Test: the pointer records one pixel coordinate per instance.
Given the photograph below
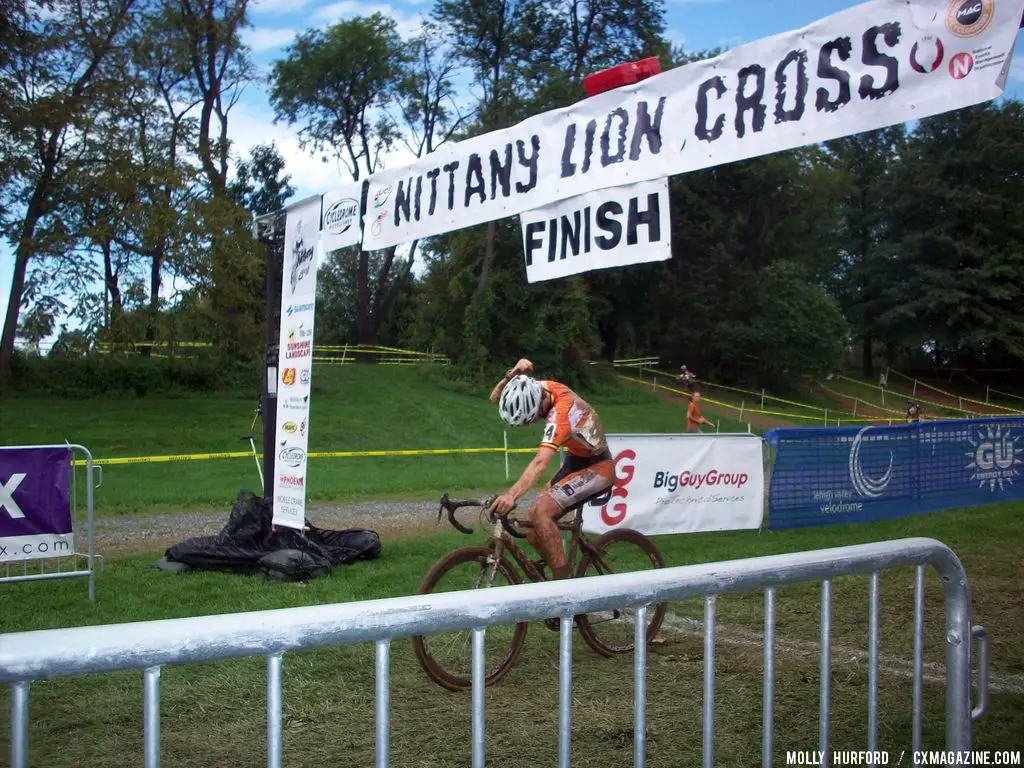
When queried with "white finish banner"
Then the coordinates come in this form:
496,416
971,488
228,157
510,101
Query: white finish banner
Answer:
688,483
608,228
876,64
295,362
341,217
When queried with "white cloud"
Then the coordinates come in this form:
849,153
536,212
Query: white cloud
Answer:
252,123
732,41
406,24
265,38
277,6
1017,69
675,37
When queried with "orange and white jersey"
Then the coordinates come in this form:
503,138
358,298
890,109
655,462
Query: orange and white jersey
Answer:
572,423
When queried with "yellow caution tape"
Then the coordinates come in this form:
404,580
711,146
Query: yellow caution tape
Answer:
961,398
312,455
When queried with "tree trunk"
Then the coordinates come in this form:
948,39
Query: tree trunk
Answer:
154,294
364,330
113,290
21,257
485,268
868,362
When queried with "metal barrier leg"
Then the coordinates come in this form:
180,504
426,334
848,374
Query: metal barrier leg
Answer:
89,522
19,724
918,693
479,684
767,713
151,717
958,658
709,681
873,666
274,745
640,687
825,673
565,692
383,704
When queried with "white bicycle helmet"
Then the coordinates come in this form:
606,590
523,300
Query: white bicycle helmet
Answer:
520,401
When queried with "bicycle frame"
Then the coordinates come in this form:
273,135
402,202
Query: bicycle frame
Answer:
501,541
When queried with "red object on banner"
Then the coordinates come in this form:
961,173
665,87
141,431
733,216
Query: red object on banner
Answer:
623,74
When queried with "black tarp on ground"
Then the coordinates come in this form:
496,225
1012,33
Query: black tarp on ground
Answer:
248,544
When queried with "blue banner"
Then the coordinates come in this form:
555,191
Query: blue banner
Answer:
859,474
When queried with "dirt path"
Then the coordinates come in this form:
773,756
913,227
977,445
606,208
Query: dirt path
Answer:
925,393
864,410
757,420
135,534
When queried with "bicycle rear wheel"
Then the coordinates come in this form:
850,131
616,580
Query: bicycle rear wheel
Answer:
621,551
447,658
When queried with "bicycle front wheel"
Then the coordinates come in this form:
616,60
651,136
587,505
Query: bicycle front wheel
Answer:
621,551
447,658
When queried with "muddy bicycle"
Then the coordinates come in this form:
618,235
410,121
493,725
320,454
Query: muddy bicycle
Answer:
447,658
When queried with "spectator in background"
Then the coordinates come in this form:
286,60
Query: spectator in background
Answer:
914,412
686,377
693,418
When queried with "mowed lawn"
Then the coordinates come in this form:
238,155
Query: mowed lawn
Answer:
214,714
353,408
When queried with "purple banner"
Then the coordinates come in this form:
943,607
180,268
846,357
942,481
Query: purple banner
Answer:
34,491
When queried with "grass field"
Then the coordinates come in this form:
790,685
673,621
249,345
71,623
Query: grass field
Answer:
351,410
214,714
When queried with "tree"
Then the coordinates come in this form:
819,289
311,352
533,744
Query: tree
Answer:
797,330
495,39
338,83
867,165
356,89
210,45
259,186
60,73
956,276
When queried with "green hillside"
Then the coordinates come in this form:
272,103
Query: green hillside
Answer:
355,408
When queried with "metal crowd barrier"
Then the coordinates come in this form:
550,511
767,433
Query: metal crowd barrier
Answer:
89,555
29,656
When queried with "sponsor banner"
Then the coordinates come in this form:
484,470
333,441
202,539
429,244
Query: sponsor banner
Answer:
609,228
876,64
682,484
835,475
35,503
295,363
341,217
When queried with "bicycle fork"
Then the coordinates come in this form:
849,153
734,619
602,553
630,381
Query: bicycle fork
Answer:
491,569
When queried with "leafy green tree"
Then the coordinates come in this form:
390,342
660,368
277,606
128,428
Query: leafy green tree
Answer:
356,89
60,73
796,330
259,186
868,166
957,256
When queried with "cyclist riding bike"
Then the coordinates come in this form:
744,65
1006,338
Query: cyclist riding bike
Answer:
571,423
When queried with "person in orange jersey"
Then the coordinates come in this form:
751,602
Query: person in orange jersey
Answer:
693,418
570,423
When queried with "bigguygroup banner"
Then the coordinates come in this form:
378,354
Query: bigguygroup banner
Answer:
35,503
295,362
608,228
860,474
879,63
682,484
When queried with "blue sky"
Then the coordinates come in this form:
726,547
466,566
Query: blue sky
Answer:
696,24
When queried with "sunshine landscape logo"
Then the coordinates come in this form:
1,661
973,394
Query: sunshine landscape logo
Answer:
994,458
